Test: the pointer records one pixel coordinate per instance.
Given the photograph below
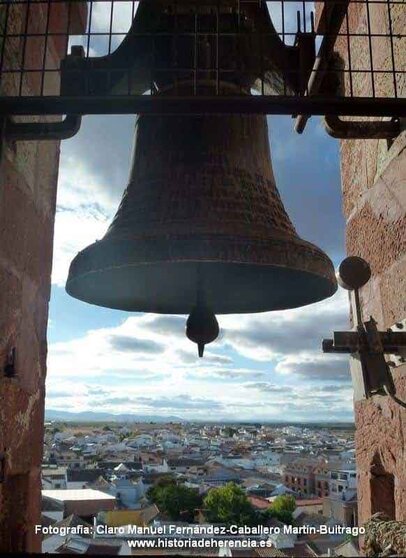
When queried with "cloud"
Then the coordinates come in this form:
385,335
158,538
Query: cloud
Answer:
304,392
270,335
224,375
314,366
123,343
79,220
209,357
146,363
89,186
307,175
180,402
122,400
239,374
333,388
269,388
167,324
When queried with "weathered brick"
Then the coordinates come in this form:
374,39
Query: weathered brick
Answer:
374,201
28,180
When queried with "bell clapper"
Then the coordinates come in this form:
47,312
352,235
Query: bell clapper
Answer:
202,326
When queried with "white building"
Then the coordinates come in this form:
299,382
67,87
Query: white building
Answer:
342,480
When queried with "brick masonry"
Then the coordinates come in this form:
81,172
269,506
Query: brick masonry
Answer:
374,205
28,180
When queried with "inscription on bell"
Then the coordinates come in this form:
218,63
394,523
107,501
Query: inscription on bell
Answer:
205,198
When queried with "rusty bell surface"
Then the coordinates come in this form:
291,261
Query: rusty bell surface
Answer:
201,224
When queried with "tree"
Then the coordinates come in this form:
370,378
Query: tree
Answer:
155,490
229,505
177,501
285,502
282,508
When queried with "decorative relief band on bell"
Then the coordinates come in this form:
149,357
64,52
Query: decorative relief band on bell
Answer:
238,202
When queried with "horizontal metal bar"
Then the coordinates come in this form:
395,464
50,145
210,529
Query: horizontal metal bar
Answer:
169,34
39,2
179,70
352,341
157,104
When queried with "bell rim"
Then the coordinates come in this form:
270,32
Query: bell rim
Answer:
320,272
330,290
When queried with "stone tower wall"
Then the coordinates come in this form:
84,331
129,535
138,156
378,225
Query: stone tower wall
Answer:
28,180
374,203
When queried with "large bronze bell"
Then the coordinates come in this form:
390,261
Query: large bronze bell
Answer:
201,229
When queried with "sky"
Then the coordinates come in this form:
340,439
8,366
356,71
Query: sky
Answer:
265,366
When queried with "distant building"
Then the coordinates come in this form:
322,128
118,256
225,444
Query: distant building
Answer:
308,506
73,545
220,477
142,517
322,480
184,465
343,479
84,503
82,478
54,478
335,478
128,493
299,477
342,508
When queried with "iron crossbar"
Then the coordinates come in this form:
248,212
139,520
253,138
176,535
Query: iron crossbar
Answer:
263,104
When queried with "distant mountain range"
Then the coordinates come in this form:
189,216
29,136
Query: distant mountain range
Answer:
90,416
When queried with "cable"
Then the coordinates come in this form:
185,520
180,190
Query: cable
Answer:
393,396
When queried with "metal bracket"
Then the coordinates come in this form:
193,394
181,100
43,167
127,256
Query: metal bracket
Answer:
366,344
352,129
39,131
9,369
